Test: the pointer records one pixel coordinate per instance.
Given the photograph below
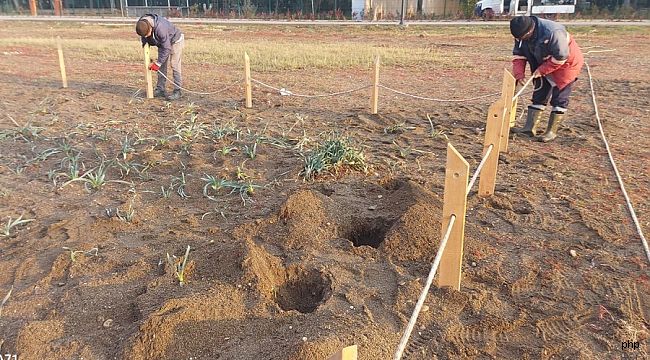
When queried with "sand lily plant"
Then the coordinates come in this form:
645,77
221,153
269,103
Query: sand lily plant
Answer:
178,265
6,230
331,155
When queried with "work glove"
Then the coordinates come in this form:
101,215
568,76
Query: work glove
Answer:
521,81
155,66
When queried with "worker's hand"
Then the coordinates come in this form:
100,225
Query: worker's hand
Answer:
536,74
155,66
520,80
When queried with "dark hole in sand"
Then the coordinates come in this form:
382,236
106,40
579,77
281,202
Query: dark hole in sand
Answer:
368,232
303,291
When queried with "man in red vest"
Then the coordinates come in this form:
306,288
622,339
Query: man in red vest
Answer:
555,61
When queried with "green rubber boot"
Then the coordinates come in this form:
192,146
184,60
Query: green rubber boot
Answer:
532,120
554,122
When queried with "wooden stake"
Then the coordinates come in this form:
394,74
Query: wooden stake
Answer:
147,72
513,113
32,7
487,180
374,97
348,353
507,92
247,78
455,203
64,78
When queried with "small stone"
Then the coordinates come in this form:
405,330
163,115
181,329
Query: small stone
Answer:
573,253
290,327
372,207
239,286
304,338
351,307
425,308
473,264
108,323
61,284
328,224
380,196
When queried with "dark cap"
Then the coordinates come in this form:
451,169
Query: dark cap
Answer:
520,25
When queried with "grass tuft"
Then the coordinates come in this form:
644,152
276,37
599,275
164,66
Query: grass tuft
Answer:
330,156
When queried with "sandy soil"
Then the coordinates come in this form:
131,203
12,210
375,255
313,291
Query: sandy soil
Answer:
307,267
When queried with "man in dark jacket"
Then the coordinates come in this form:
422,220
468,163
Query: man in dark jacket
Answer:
555,61
157,31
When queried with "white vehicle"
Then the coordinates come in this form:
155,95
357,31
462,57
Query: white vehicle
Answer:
487,9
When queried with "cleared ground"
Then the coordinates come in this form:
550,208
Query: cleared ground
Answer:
285,267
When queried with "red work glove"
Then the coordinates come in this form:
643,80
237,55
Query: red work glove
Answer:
519,70
154,66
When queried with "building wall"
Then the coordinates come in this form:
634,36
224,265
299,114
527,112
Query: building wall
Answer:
386,8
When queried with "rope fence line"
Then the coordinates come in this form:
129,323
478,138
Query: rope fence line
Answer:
599,51
438,100
530,79
618,174
285,92
425,291
198,92
479,168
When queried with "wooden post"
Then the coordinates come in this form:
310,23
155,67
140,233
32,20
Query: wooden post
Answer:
487,180
507,92
147,72
374,97
32,7
455,203
64,78
247,78
348,353
513,113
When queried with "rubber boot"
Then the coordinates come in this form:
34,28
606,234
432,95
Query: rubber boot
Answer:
175,95
554,122
158,92
532,120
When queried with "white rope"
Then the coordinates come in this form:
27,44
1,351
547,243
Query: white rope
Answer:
618,175
523,88
599,51
286,92
438,100
198,92
480,166
425,291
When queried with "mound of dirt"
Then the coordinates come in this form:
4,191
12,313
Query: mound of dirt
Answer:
306,217
415,235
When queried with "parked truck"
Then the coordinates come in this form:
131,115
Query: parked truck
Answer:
488,9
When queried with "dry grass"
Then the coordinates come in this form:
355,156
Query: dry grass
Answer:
264,55
292,47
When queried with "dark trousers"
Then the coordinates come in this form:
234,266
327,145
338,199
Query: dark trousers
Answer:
544,90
